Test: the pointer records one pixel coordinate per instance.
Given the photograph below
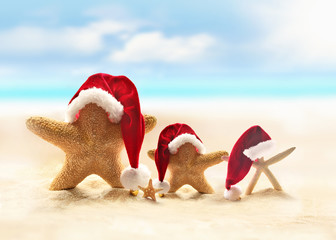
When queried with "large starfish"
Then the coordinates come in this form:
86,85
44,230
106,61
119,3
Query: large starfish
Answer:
92,145
187,166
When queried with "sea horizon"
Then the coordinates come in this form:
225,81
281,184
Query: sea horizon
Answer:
218,89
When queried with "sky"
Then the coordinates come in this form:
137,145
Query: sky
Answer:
184,48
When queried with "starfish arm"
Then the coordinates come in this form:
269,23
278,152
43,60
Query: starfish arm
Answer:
150,123
110,171
272,179
253,182
70,175
58,133
201,185
151,154
279,156
175,184
211,159
150,183
158,189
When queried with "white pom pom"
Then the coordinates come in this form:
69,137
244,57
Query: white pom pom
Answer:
233,194
131,178
164,185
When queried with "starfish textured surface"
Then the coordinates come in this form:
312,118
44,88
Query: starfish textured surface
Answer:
149,191
187,166
92,145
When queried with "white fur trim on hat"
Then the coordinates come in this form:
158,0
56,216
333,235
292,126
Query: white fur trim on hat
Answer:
260,150
233,194
98,96
164,185
131,178
177,142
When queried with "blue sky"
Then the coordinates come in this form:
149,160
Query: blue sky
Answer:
48,48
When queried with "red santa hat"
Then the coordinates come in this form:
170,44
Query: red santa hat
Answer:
170,139
118,96
253,144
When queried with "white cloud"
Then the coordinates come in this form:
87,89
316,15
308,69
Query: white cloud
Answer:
154,46
86,40
299,33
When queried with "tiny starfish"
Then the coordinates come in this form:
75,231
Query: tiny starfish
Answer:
92,145
187,166
149,191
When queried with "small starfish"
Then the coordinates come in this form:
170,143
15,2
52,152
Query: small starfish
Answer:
149,191
187,166
262,166
92,145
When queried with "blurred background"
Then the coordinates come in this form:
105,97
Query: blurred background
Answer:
219,66
169,48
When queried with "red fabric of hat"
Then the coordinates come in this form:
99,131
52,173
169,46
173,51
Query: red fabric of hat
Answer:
239,164
132,121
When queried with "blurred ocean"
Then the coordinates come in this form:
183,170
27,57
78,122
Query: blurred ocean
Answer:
323,88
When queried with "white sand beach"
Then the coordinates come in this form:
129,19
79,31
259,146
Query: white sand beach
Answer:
306,208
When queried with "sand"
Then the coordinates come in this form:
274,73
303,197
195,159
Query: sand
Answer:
306,208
